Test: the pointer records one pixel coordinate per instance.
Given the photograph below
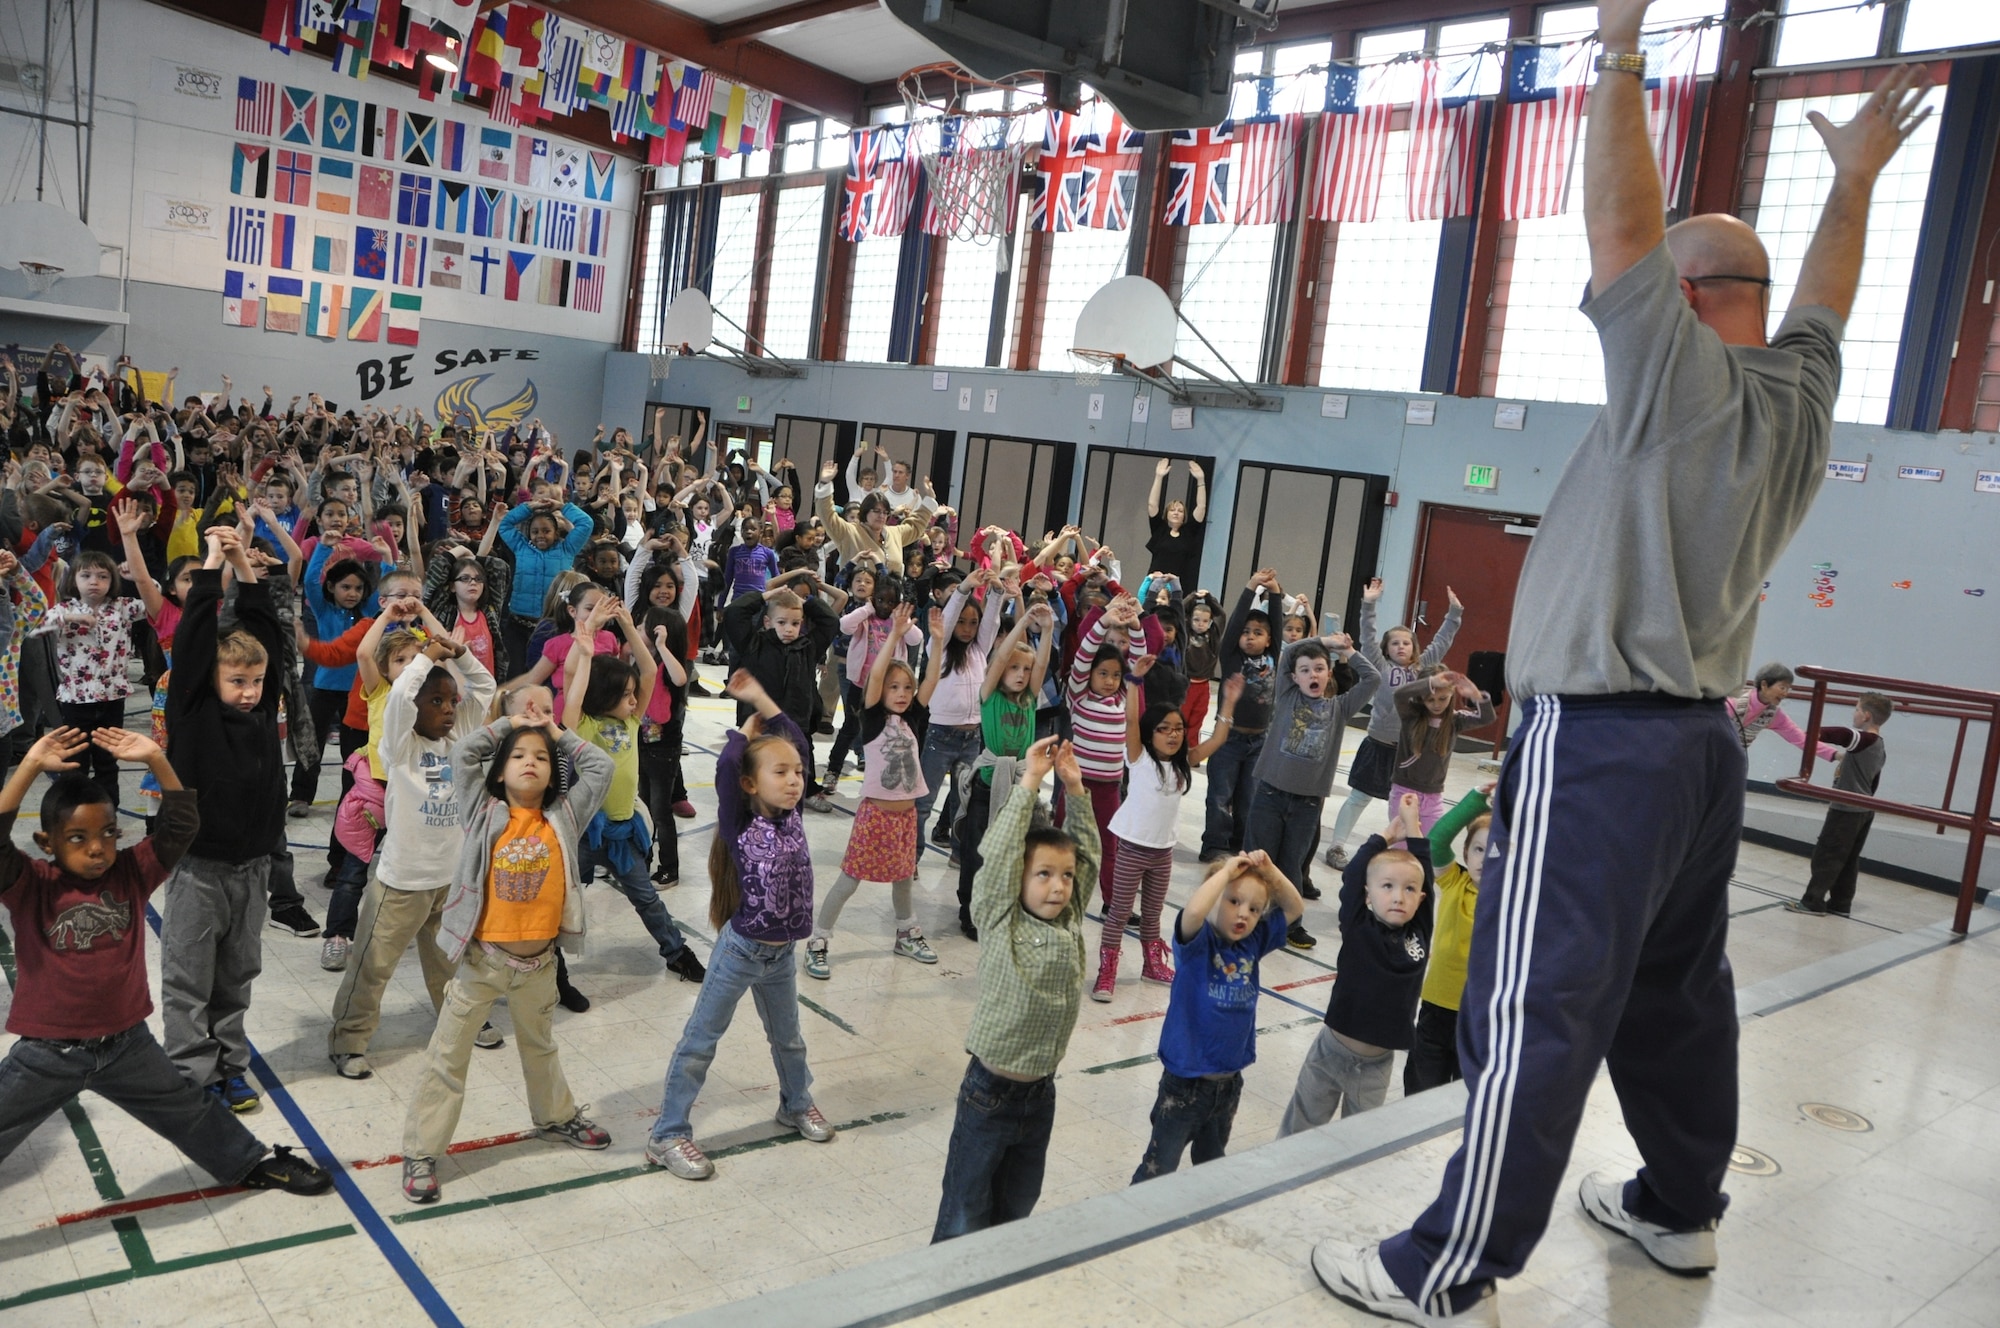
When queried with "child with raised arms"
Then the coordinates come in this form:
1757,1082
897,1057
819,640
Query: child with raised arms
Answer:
1013,684
1433,1057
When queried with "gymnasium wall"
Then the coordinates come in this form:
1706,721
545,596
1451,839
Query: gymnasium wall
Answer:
166,132
1941,538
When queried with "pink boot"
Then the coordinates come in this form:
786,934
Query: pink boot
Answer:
1107,975
1157,968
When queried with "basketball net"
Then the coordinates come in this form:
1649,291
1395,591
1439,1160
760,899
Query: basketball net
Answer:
41,276
1088,366
972,159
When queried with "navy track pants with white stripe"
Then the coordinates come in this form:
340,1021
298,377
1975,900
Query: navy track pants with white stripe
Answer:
1600,935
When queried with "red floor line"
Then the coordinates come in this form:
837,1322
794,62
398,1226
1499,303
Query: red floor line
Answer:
1305,982
468,1146
1139,1018
143,1205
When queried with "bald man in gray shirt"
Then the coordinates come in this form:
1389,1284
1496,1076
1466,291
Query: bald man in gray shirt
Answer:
1604,911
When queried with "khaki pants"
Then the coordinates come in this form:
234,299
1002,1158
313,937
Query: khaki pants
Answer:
390,920
481,980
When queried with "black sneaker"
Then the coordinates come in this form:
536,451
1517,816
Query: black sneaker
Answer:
688,965
571,999
294,920
1795,906
965,925
288,1171
1307,890
1299,938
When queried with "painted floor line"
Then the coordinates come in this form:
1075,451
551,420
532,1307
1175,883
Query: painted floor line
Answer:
463,1146
141,1205
234,1252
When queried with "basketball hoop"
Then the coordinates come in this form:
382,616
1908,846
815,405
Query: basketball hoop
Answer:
971,154
1087,366
973,189
41,276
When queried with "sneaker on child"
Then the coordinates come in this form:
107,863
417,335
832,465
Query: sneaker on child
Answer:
294,920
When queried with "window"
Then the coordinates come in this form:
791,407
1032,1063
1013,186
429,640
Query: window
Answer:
871,299
1080,261
1297,90
1378,301
652,262
1931,24
1797,176
964,312
1250,93
794,272
735,265
1225,289
1820,32
1574,22
1548,350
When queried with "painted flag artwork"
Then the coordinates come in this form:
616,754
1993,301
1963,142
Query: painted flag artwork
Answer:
339,123
298,116
451,146
518,263
376,193
559,226
364,313
323,301
285,249
412,253
330,242
1198,162
566,171
256,107
586,291
420,135
378,131
245,242
371,253
284,299
250,171
485,260
413,200
1545,96
599,176
336,186
1442,170
405,318
1353,142
1261,169
1059,174
593,231
454,205
292,181
496,154
240,292
489,212
448,264
525,223
554,285
531,161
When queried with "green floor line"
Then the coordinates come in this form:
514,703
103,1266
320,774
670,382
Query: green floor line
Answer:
182,1265
829,1016
130,1238
622,1173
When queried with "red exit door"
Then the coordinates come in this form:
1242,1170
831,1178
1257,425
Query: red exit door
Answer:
1477,553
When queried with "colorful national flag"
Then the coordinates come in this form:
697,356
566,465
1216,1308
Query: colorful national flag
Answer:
485,260
525,221
371,253
586,291
405,318
240,299
323,310
1198,163
593,231
250,171
881,181
293,182
1059,198
364,313
454,205
448,264
413,200
285,253
378,132
283,299
1262,169
599,176
451,145
559,226
489,212
298,116
245,238
1353,141
1443,166
562,65
330,241
1110,172
518,263
419,139
339,123
1670,79
376,195
412,253
336,185
1545,96
531,161
256,106
566,171
496,153
554,286
692,101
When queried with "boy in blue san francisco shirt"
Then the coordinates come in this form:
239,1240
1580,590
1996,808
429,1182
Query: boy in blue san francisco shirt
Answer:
1236,917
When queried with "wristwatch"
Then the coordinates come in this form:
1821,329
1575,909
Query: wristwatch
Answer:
1622,62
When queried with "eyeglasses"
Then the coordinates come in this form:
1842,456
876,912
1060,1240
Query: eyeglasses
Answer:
469,580
1729,276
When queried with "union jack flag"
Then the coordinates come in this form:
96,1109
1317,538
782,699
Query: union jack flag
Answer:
1198,176
881,183
1111,173
1059,198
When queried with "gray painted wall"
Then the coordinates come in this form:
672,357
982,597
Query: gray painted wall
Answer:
1942,538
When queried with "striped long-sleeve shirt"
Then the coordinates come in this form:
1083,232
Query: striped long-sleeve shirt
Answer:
1098,722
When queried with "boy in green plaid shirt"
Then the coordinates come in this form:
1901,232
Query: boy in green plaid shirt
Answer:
1028,901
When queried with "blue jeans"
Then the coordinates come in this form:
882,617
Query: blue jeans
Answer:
1284,825
944,749
1189,1111
768,973
999,1149
1231,788
646,901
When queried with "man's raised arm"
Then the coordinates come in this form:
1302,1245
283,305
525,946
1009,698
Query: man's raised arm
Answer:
1860,149
1624,213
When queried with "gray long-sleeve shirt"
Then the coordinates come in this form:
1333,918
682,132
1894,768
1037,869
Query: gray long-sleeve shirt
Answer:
1384,725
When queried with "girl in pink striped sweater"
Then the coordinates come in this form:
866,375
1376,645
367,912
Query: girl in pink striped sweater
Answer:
1110,645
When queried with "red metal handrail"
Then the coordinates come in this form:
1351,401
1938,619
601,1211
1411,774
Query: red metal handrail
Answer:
1964,714
1973,705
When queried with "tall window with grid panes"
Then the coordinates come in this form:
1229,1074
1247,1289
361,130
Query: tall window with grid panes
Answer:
735,266
962,316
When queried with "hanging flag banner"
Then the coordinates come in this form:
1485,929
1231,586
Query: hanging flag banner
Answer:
183,216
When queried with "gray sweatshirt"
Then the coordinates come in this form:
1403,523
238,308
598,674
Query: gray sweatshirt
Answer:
1302,744
1383,724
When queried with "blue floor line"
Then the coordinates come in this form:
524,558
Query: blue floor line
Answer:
365,1214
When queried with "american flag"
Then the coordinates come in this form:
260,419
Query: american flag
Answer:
1670,103
1263,168
256,106
1111,172
1198,176
1347,175
881,183
691,103
1443,165
1543,115
1059,167
586,292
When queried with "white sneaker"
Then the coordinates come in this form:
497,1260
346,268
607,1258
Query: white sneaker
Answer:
1354,1273
333,953
1683,1253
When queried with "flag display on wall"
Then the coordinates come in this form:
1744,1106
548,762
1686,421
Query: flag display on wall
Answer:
250,171
518,263
448,264
284,298
1198,162
587,290
330,241
284,241
405,317
256,106
364,313
336,185
293,178
496,154
323,302
486,260
298,116
245,242
240,298
339,121
373,197
371,253
599,175
412,253
413,200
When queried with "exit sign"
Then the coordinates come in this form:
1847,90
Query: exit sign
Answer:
743,403
1482,477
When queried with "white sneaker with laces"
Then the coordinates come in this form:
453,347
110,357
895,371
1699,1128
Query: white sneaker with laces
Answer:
1682,1253
681,1157
333,953
811,1126
912,945
1354,1273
